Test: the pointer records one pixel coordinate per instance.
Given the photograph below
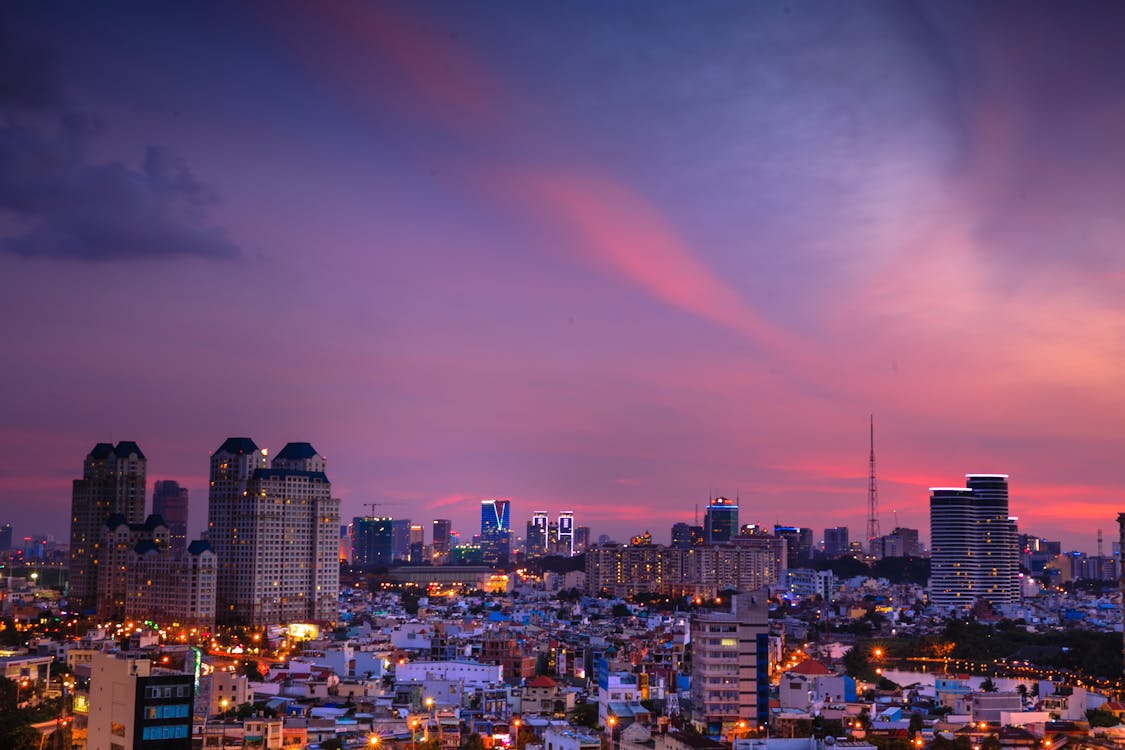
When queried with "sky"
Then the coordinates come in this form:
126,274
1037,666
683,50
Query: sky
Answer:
608,257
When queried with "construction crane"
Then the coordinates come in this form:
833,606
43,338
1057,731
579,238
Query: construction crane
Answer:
372,506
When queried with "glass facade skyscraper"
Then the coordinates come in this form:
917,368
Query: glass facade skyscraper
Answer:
495,531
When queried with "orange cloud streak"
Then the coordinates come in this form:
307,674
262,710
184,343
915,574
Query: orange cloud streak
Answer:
630,237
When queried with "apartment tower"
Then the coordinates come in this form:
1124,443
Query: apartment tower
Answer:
170,502
274,532
974,544
113,482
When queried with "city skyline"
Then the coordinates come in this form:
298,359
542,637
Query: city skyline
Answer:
601,259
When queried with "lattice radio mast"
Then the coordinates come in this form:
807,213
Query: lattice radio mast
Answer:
873,531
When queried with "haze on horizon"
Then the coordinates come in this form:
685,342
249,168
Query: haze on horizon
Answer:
588,256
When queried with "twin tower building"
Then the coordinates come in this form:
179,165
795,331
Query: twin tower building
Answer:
270,553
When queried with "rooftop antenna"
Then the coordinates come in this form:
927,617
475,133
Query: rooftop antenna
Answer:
873,532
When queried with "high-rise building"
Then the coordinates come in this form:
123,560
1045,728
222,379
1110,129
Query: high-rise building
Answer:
685,535
119,538
170,502
974,549
730,665
720,524
229,515
495,531
136,704
566,533
836,541
113,481
171,587
899,543
276,543
417,543
443,533
705,570
371,541
5,537
400,539
581,539
537,534
799,542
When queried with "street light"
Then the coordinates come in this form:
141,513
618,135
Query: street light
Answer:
373,740
223,703
612,721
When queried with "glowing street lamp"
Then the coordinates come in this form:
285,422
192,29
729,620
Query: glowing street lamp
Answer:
373,740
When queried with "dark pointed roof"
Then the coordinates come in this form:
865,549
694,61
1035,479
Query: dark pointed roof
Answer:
115,520
199,546
102,451
145,546
127,447
238,446
296,452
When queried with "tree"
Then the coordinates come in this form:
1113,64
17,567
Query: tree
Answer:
915,724
988,686
1099,718
473,742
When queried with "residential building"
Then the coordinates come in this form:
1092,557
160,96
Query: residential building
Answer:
135,705
113,482
704,570
171,587
281,545
119,537
170,502
229,513
974,552
730,665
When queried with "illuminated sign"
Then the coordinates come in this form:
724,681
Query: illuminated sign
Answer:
303,631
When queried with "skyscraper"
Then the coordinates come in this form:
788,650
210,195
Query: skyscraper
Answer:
417,543
170,502
276,540
566,533
798,540
400,539
113,482
836,541
5,537
495,531
228,519
537,534
720,524
974,550
371,541
682,536
443,530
